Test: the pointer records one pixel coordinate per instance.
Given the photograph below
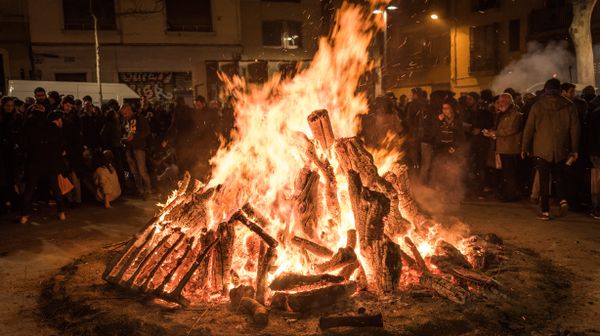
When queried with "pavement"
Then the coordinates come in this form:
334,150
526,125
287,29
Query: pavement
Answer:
30,253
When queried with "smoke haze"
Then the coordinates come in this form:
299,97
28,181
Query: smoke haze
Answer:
537,65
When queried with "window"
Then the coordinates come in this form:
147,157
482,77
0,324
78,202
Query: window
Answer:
189,15
282,34
77,14
483,5
484,48
70,77
514,35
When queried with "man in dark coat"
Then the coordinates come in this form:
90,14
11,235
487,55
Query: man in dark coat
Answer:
194,133
507,135
136,139
74,146
552,131
45,148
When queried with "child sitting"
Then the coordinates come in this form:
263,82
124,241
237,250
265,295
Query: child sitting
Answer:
106,180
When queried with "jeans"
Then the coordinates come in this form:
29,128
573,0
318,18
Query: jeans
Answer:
546,169
136,158
33,180
426,158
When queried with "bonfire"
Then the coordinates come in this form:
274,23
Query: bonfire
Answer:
298,213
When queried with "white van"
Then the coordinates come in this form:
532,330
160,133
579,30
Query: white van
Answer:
118,91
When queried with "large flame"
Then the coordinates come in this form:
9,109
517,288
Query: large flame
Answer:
266,153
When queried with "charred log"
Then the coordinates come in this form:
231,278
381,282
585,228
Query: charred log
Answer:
237,293
306,201
343,257
420,263
444,288
313,299
447,257
320,125
240,217
223,256
287,281
256,310
265,262
352,155
312,247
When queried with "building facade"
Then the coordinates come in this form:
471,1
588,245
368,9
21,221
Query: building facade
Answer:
467,43
15,54
168,48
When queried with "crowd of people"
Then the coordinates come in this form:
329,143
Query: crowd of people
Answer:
507,146
61,150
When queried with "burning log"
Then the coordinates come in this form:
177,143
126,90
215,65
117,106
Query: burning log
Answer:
287,281
158,282
474,277
370,208
240,217
347,271
224,256
206,238
351,239
237,293
392,266
259,313
419,262
115,269
313,299
352,155
447,257
328,322
306,201
265,262
155,260
253,214
343,257
320,125
444,288
333,204
409,208
176,293
312,247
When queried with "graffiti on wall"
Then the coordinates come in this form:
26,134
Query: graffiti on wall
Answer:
150,85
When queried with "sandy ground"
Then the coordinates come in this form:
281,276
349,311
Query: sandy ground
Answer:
30,254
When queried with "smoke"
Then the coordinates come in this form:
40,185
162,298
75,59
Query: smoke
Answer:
538,65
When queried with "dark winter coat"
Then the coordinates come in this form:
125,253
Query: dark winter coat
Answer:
508,131
552,129
449,133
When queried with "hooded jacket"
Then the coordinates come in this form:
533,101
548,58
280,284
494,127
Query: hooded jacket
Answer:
552,128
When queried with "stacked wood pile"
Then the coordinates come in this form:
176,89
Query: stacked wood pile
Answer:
180,256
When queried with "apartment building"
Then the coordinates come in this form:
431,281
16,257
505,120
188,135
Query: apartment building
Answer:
461,45
166,48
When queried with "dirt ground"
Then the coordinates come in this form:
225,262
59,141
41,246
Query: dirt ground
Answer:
30,255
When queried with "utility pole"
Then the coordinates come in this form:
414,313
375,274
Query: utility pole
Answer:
97,50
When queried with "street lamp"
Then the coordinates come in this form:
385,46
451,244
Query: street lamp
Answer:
434,16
